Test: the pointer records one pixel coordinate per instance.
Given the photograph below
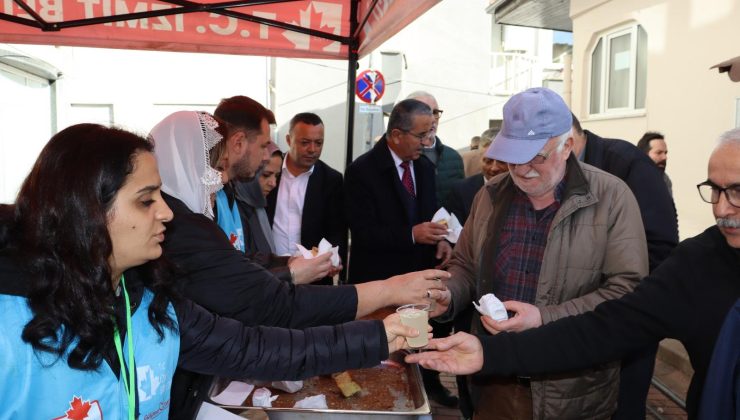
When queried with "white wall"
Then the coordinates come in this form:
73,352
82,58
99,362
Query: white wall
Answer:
139,87
687,101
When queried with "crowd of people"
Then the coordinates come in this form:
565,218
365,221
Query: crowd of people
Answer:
134,269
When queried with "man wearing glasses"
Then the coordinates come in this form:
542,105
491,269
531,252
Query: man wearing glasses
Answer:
693,296
448,164
552,238
390,201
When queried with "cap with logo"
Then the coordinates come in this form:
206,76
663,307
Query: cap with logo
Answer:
531,118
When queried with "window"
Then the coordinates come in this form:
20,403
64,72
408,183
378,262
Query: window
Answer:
618,72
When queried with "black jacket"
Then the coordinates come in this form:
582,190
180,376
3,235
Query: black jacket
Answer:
223,280
378,216
323,210
215,345
625,161
461,196
686,298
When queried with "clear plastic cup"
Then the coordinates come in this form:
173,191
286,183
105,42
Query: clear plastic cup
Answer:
415,316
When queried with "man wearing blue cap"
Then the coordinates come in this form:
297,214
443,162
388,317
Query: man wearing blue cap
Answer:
551,238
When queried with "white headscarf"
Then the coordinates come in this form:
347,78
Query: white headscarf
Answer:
182,142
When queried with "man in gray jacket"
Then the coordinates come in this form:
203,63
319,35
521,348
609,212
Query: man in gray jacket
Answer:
556,238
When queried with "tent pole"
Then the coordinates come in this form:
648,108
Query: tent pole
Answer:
351,75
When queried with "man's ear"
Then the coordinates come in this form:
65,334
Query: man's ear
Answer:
394,136
287,139
236,142
569,145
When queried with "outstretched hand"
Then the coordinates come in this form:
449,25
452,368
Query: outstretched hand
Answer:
418,287
459,354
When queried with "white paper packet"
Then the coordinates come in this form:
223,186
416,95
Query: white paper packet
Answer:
315,401
262,397
490,305
324,247
288,386
234,394
454,228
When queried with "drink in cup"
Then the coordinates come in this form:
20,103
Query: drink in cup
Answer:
415,316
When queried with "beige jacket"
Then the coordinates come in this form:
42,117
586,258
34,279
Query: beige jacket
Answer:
596,250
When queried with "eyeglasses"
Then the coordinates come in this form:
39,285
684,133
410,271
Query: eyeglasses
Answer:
539,158
437,113
421,136
710,192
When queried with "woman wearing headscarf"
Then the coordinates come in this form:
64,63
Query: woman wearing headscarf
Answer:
250,198
91,326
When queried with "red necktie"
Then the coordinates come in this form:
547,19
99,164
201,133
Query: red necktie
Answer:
406,179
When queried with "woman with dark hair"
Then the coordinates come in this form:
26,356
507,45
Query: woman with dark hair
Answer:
91,327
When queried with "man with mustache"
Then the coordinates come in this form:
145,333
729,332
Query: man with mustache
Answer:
693,296
653,144
552,238
307,203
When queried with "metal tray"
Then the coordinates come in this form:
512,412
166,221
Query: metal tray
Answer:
417,399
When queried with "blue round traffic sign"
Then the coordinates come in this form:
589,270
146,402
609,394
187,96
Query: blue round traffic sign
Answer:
370,86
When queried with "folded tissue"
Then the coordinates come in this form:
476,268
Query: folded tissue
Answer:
454,228
324,247
491,306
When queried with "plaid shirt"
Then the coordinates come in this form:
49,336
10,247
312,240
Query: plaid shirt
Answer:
521,246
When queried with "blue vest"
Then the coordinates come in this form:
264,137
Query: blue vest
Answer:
37,385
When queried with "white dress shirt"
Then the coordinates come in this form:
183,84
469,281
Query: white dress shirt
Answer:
286,227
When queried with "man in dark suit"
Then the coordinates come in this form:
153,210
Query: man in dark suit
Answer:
307,203
391,199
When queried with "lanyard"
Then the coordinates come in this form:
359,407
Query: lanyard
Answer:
127,383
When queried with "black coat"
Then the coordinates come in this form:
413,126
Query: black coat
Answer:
323,209
625,161
461,196
686,298
223,280
378,216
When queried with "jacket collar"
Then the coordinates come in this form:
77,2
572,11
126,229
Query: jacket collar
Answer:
381,153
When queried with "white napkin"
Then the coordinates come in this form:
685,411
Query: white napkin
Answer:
324,247
211,412
454,228
262,397
234,394
288,386
491,306
315,401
